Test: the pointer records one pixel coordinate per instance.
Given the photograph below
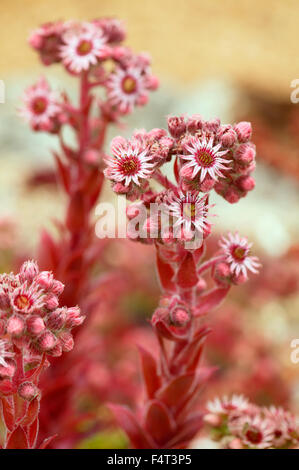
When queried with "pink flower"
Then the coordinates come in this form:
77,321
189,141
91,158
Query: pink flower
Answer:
254,432
40,106
84,45
26,299
237,255
226,405
127,88
4,352
190,211
130,162
204,157
283,423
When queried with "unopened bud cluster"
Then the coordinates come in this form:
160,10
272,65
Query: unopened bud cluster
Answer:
31,318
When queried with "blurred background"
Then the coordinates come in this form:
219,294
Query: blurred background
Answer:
233,60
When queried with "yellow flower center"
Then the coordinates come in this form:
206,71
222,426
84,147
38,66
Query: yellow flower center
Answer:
84,47
239,253
129,165
129,85
22,302
39,105
205,159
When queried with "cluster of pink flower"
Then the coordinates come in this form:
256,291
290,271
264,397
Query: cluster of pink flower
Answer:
205,156
86,47
32,327
211,155
30,313
239,424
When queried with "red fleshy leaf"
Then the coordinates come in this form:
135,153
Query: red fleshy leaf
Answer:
176,170
20,407
186,432
210,300
47,442
32,412
187,275
17,439
33,433
158,422
48,253
8,414
6,387
63,172
175,391
166,274
149,370
191,353
126,419
76,213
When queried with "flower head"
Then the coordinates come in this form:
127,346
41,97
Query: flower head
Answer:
40,106
84,44
226,405
254,432
130,162
237,255
128,87
204,157
190,211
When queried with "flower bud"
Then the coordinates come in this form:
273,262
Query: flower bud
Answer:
51,301
176,126
28,391
73,317
232,196
120,188
4,301
229,138
243,130
56,351
28,271
57,287
223,270
15,325
66,341
152,83
35,325
56,319
207,184
47,341
194,123
245,154
45,280
212,125
245,183
179,317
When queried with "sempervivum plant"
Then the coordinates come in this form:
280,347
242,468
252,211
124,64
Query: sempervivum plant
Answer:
112,82
206,156
32,328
